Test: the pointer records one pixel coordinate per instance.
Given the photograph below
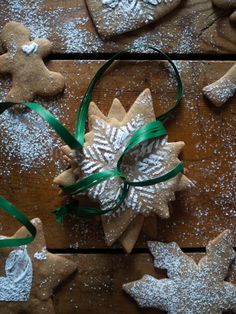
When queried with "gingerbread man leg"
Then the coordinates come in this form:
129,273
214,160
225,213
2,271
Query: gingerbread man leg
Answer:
223,89
18,94
52,83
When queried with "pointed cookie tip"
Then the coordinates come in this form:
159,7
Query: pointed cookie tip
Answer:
117,110
128,286
36,221
94,110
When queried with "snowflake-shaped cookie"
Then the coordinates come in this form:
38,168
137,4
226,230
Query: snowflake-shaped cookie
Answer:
104,145
191,288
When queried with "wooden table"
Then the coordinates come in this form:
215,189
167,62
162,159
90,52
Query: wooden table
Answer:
203,43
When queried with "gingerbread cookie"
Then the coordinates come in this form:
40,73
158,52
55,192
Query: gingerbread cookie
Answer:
29,274
24,61
113,17
190,287
223,89
104,145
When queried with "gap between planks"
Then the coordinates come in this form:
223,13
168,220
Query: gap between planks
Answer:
141,56
116,251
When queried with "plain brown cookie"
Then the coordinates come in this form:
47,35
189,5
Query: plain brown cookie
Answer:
24,62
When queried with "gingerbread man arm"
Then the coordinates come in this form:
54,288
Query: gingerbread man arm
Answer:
5,63
223,89
44,46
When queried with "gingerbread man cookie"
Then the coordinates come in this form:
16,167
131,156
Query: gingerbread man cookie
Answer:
223,89
24,61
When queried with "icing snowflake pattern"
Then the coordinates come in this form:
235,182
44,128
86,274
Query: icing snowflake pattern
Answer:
133,3
135,7
148,160
105,143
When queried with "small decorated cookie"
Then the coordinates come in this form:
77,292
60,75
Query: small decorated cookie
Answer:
191,288
223,89
29,274
24,61
104,145
113,17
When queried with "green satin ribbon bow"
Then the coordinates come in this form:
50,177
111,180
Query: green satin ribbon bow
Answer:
15,213
149,131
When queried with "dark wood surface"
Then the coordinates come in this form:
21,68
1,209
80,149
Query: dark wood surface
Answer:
195,30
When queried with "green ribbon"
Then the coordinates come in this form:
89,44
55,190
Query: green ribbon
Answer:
149,131
15,213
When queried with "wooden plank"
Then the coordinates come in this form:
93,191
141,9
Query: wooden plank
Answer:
194,27
27,166
97,287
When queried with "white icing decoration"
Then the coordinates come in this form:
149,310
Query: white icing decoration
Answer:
133,3
30,48
150,159
17,283
190,288
41,255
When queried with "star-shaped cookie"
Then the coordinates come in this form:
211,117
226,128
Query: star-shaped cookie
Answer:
29,274
104,145
190,288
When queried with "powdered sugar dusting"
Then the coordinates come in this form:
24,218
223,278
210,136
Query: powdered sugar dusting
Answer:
41,255
17,283
220,91
46,23
73,32
190,287
28,142
209,159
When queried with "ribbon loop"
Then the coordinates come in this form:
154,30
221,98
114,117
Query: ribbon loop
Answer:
15,213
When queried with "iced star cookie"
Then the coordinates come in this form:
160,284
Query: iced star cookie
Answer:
24,62
191,288
113,17
29,275
104,144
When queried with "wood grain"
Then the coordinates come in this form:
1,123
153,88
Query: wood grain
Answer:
194,27
197,215
97,287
